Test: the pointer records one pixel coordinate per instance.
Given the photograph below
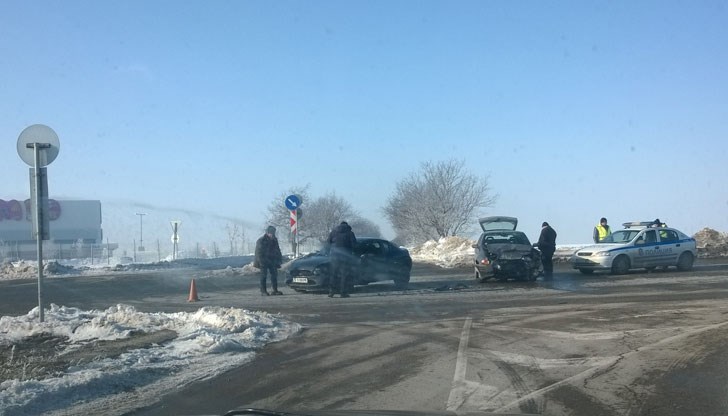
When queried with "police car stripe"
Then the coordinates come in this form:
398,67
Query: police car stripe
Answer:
689,240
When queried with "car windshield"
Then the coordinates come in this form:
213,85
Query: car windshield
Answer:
173,171
621,236
506,237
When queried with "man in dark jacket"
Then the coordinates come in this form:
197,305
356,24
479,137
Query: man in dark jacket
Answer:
547,245
341,251
268,258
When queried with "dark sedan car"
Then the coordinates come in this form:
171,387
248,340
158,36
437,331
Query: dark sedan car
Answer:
502,252
375,260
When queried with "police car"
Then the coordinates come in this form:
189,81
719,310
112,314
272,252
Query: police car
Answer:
640,245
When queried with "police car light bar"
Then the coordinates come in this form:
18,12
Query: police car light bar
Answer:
637,224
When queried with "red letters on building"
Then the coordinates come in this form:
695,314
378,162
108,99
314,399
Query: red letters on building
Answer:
13,210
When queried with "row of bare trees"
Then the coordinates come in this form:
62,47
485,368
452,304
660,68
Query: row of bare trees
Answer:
440,199
318,216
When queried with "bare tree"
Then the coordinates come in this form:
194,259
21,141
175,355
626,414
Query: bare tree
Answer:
243,241
363,227
233,232
440,200
324,213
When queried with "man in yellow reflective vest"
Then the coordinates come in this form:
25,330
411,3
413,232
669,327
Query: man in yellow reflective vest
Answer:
601,231
659,224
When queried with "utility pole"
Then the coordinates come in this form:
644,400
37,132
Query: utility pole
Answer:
141,230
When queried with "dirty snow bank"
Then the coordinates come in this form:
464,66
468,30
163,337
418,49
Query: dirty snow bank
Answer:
711,243
104,380
451,252
232,266
448,252
29,270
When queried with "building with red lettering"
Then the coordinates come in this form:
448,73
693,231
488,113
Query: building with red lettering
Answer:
75,230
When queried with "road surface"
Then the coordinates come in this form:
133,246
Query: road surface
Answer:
639,344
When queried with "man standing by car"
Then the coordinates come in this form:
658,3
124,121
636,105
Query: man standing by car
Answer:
268,258
547,245
341,242
601,231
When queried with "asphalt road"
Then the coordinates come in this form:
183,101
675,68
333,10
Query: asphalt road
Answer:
639,344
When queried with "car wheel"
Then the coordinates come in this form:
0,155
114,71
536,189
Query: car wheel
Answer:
532,275
685,262
620,265
586,271
402,279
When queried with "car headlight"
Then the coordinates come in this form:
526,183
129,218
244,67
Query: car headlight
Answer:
602,254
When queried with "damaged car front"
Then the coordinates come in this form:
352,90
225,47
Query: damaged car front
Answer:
503,253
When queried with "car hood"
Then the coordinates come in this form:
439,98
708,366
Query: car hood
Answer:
308,262
600,247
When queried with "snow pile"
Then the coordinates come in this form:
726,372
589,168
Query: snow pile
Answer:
447,252
29,270
450,252
246,270
17,270
711,243
89,375
231,265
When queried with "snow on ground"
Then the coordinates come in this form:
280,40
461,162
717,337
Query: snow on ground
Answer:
451,252
27,269
446,252
711,243
55,368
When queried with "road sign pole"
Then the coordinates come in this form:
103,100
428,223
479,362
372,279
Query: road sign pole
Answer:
293,202
298,249
39,228
294,232
30,143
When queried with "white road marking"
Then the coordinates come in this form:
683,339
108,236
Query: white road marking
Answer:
585,374
460,389
588,336
542,363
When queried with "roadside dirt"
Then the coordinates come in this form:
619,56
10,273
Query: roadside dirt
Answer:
43,355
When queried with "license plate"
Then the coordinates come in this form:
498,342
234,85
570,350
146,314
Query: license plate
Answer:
300,280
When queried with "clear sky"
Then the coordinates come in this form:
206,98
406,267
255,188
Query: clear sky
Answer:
575,110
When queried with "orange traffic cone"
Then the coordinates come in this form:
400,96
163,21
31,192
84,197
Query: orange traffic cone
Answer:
193,292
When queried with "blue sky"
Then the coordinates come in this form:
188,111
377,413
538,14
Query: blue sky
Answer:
575,110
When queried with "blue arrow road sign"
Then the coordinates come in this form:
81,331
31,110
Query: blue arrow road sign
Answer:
292,202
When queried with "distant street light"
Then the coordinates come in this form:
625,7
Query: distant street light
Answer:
141,231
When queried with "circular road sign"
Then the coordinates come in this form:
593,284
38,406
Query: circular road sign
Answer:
292,202
38,133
